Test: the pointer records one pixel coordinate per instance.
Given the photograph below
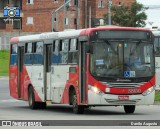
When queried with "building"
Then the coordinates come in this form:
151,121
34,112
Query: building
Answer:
46,15
35,15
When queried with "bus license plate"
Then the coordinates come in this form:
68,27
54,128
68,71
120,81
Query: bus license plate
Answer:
125,97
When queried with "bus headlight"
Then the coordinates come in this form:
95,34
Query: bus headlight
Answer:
148,91
95,90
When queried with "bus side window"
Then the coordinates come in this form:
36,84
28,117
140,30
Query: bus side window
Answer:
64,45
56,55
13,59
73,51
29,48
38,53
28,54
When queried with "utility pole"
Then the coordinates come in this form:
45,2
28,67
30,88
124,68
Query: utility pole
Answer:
55,12
64,22
52,20
109,11
86,12
57,21
77,13
90,16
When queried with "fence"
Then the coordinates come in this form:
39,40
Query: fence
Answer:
4,43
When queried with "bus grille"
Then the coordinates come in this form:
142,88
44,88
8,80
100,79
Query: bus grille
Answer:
124,85
125,102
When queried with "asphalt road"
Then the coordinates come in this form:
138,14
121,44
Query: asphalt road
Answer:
11,109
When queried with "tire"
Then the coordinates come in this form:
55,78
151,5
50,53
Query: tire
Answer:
31,99
129,109
32,103
42,105
71,98
77,109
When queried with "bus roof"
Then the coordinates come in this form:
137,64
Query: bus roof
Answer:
70,33
47,35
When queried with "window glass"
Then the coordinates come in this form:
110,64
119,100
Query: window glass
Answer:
122,59
14,49
28,59
37,58
29,20
30,1
65,44
13,60
39,47
73,45
56,46
66,21
56,57
73,57
63,57
29,48
100,4
75,2
38,53
64,51
73,52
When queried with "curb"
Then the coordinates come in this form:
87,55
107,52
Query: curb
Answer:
157,103
4,77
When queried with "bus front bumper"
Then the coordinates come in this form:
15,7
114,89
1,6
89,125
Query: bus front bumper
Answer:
110,99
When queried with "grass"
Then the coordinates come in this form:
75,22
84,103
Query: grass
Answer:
157,96
4,62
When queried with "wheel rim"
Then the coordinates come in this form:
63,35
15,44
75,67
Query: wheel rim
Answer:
74,103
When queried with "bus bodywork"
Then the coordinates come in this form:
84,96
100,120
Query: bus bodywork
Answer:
83,68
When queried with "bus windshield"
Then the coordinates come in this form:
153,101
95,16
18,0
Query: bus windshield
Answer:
157,46
122,59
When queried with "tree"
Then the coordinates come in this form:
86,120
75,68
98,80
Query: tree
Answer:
133,16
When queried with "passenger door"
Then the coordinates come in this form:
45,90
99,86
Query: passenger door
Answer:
82,72
20,86
48,71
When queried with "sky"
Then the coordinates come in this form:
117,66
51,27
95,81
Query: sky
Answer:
152,14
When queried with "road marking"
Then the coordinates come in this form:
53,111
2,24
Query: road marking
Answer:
9,100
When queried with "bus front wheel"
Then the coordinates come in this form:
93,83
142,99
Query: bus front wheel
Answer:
129,108
77,109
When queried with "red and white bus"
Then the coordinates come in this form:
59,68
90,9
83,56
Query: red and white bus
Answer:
84,68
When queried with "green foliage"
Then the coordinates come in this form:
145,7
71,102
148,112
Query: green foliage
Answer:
133,16
4,62
157,96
